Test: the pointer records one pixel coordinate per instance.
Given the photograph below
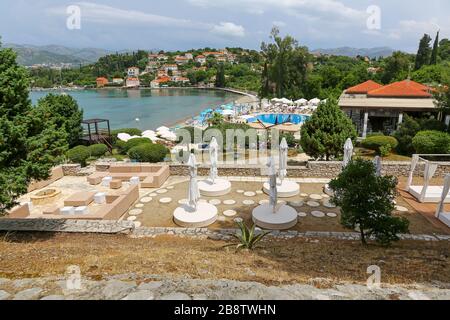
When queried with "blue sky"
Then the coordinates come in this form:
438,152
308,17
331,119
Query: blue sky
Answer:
184,24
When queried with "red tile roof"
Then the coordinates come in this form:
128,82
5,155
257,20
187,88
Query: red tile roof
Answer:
402,89
364,88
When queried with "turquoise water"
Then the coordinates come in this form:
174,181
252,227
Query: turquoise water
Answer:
280,118
154,108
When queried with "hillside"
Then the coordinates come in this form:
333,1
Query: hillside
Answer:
353,52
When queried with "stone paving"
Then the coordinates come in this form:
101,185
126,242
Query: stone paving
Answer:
131,287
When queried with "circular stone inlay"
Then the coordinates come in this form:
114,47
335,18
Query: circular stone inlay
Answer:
137,224
135,212
401,209
248,202
132,218
183,201
240,191
328,204
165,200
215,202
229,202
264,202
296,203
318,214
219,188
146,199
304,195
285,218
331,215
302,214
139,206
287,189
250,194
162,191
313,204
230,213
153,194
203,216
316,197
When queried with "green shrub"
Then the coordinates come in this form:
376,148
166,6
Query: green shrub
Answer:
375,134
134,143
146,152
79,155
375,143
98,150
130,131
385,150
432,142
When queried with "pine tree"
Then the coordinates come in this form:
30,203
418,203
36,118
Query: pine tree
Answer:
29,147
424,52
220,76
435,52
323,136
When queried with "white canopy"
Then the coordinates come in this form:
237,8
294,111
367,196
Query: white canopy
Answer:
162,129
301,102
314,101
286,101
123,137
228,113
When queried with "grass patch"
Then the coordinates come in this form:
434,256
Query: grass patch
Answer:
370,155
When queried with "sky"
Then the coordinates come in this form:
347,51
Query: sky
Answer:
186,24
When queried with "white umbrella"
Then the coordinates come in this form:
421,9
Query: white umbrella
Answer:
301,102
162,129
228,113
123,137
414,162
283,159
273,184
445,191
213,157
377,163
148,133
314,101
348,152
194,192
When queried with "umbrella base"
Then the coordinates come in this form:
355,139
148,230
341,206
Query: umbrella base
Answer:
285,218
186,217
220,187
287,189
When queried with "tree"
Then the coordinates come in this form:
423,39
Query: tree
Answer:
29,147
444,49
435,52
424,53
325,133
63,112
220,76
367,202
405,134
216,119
396,67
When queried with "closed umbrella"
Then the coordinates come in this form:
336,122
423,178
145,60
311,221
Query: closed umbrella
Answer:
283,159
348,152
194,192
445,191
414,162
377,163
273,184
213,157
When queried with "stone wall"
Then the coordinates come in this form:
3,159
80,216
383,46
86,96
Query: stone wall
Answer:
313,169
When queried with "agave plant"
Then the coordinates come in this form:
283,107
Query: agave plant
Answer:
248,239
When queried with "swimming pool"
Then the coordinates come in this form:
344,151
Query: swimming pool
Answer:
280,118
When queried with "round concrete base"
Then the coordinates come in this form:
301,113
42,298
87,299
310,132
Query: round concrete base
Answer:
186,217
287,189
219,188
327,190
285,218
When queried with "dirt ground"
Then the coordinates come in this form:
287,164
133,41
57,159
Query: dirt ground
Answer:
161,215
24,255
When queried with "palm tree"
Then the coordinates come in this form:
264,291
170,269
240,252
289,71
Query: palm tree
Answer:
216,119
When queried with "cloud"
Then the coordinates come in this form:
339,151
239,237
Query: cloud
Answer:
229,29
103,14
280,24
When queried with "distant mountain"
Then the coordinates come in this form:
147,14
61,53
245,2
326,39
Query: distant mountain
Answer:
353,52
52,54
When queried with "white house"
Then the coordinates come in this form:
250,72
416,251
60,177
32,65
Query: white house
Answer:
133,72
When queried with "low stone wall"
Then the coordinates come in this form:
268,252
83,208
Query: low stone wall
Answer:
313,169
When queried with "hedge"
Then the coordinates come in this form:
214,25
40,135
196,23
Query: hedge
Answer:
432,142
376,142
152,153
79,155
130,131
98,150
130,144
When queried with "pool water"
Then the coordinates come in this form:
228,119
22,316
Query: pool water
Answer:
280,118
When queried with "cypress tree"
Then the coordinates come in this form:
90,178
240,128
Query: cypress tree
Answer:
435,52
424,52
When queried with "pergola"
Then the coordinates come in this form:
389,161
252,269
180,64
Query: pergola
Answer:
426,193
97,131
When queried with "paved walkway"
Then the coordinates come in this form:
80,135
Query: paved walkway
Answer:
126,287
